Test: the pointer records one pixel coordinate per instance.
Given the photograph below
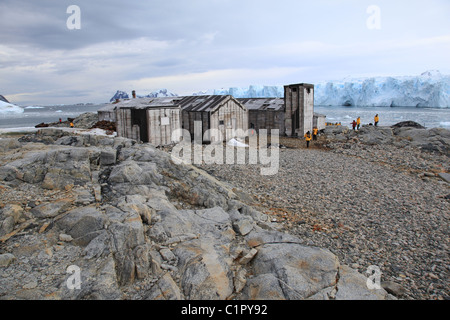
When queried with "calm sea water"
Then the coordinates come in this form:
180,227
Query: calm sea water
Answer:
34,115
429,118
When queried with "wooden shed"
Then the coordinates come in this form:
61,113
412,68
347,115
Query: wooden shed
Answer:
265,113
319,121
107,113
223,113
151,120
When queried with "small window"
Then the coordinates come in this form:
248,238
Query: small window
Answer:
308,90
221,122
294,89
165,121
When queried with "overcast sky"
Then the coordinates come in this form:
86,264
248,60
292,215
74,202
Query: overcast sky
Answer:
192,45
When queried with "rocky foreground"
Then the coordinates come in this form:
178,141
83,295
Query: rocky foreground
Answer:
97,217
374,197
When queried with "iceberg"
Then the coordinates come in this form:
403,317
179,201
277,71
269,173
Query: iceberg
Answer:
121,95
6,108
253,91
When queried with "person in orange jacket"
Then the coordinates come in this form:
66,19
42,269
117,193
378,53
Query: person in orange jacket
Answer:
358,123
376,119
315,133
307,138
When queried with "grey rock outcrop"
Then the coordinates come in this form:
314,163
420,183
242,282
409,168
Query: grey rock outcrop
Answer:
139,226
406,134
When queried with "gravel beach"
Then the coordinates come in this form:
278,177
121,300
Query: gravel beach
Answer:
371,205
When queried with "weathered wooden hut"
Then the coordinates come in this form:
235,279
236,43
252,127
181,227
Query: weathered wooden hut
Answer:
151,120
299,107
107,113
319,121
202,114
265,113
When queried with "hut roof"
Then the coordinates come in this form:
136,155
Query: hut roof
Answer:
203,103
276,104
187,103
145,103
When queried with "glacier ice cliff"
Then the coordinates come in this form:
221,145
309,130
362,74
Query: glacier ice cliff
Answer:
430,89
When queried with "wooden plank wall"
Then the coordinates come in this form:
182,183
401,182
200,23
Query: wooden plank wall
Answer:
161,134
226,113
267,119
107,115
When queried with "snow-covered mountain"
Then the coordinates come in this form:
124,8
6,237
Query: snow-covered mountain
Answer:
155,94
119,95
430,89
160,93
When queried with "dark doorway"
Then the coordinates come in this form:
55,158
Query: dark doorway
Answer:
295,122
139,118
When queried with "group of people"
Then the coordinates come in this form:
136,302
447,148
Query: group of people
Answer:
356,124
71,123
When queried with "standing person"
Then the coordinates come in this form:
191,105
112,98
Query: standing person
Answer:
358,123
60,120
71,124
353,125
315,133
376,119
307,138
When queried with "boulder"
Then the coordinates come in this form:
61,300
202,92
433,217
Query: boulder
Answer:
444,176
83,224
6,259
301,271
408,124
51,209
